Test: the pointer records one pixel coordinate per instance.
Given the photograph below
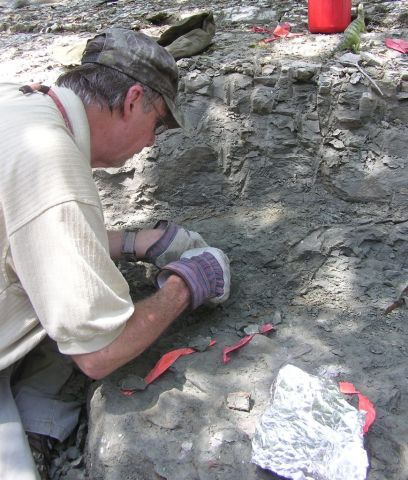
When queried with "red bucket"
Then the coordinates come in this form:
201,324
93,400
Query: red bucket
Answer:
329,16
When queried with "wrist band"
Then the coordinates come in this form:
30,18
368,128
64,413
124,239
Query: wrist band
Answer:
128,243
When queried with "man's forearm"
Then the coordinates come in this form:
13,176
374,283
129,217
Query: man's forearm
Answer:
149,320
115,243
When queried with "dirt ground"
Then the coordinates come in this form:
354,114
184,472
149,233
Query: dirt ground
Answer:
297,170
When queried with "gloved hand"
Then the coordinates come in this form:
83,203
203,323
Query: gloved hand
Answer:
175,241
206,272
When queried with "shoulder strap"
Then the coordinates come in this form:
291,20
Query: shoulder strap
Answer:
38,87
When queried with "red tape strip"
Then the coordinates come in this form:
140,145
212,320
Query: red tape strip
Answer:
363,403
399,45
167,361
227,350
281,31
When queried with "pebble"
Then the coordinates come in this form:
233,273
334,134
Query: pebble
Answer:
239,401
73,453
251,329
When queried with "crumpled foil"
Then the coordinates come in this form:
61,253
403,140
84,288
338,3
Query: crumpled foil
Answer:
310,432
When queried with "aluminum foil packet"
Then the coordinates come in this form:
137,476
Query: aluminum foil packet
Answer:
310,431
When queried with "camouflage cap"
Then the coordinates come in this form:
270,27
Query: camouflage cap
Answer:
141,58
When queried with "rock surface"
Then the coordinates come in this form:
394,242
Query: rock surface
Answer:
297,168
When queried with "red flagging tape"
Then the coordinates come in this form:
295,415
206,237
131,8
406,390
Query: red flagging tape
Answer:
238,345
399,45
256,29
363,403
227,350
281,31
167,361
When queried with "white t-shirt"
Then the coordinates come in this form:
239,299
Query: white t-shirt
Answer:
56,276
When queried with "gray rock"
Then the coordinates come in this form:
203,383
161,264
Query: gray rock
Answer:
195,81
132,382
367,105
262,100
248,14
172,410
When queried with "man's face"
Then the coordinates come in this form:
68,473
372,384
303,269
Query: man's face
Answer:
129,133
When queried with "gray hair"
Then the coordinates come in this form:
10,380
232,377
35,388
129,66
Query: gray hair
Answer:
103,86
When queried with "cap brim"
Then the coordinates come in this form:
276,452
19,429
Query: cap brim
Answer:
174,119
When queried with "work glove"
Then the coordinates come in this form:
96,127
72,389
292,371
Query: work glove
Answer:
206,272
173,243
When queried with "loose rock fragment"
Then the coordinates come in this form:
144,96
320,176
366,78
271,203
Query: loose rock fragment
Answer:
132,382
251,329
277,318
239,401
201,344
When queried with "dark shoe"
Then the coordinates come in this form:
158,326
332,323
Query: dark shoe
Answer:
41,447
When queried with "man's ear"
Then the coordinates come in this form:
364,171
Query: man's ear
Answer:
133,97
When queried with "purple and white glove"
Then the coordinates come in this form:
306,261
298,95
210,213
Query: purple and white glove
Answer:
206,272
175,241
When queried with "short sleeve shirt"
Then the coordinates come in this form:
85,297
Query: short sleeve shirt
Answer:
57,277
